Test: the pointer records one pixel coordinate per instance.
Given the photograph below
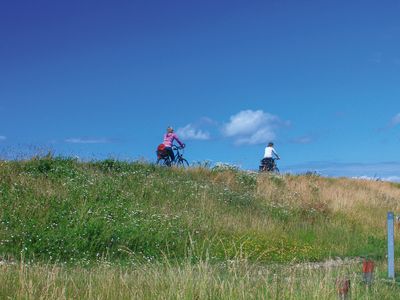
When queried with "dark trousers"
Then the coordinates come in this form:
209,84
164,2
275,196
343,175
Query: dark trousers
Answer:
170,153
268,162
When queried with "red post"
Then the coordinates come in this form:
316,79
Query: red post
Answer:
368,270
343,288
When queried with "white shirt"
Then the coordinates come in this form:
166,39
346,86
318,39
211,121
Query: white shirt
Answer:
269,151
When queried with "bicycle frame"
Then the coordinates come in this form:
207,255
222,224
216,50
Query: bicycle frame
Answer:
264,167
178,154
178,161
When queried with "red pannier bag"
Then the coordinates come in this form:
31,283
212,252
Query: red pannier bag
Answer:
161,152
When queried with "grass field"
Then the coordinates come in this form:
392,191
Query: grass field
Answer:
234,279
111,229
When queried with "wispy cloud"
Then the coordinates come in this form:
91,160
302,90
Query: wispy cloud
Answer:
2,138
395,120
190,132
392,178
382,170
376,58
84,140
389,178
340,114
206,121
252,127
303,140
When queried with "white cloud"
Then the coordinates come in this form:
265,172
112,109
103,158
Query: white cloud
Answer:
88,140
2,138
189,132
252,127
386,171
261,136
392,178
303,140
395,120
389,178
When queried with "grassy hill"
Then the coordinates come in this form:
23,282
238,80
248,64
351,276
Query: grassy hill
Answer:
61,210
118,230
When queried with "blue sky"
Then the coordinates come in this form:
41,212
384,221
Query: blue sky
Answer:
101,79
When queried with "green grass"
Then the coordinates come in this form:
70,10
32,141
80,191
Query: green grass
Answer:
61,210
130,230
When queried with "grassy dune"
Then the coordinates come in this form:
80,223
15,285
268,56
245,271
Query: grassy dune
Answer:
172,226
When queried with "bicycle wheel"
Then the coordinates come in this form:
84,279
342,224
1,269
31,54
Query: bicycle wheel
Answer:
163,162
183,163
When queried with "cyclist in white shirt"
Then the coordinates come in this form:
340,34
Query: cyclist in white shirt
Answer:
270,151
269,154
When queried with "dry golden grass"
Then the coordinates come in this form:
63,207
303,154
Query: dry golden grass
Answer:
362,200
236,279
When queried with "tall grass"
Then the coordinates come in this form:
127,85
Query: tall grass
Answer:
233,279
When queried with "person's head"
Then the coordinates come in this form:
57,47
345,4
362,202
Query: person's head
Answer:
270,144
170,129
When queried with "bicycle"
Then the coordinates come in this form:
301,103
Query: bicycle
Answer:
269,165
179,161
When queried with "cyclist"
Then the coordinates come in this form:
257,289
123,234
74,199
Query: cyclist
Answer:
269,154
169,138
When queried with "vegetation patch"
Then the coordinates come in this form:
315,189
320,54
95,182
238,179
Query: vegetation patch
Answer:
61,210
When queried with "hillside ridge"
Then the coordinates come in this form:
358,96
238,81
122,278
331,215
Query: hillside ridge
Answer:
59,209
